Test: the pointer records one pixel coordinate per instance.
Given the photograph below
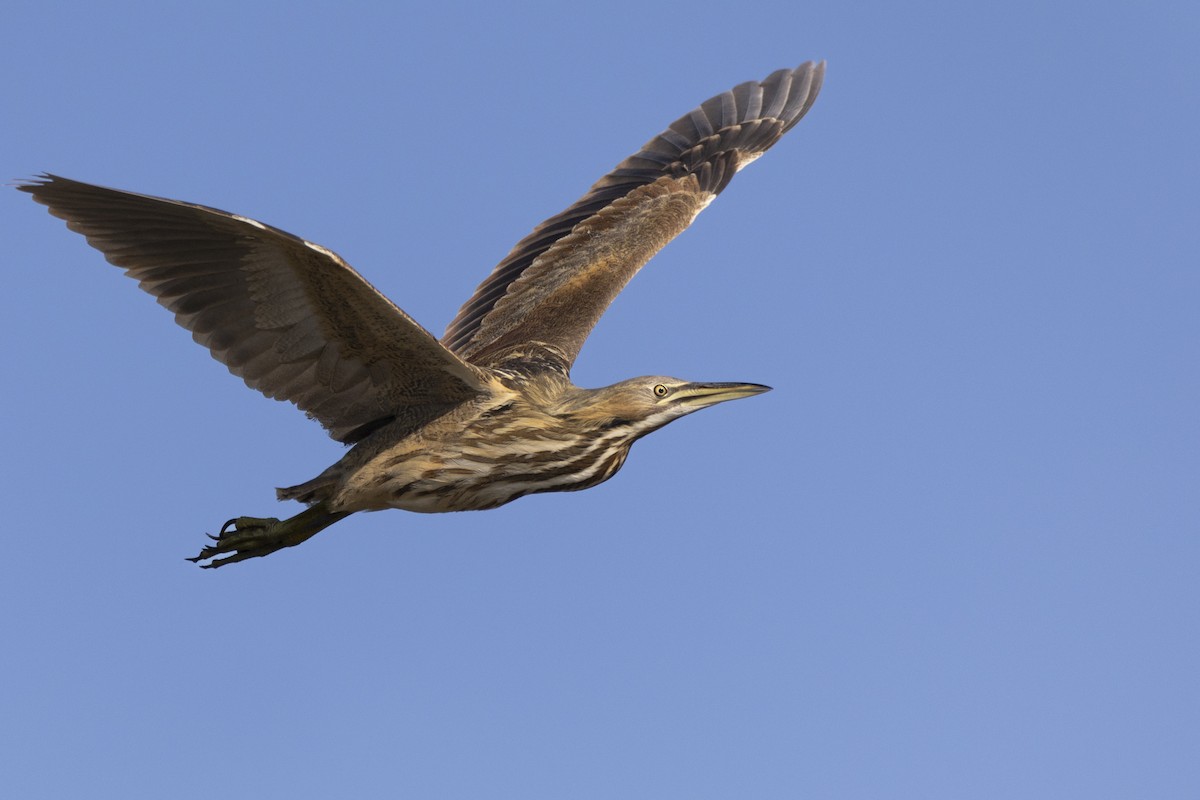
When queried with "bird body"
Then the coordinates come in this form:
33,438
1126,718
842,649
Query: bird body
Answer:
559,438
488,413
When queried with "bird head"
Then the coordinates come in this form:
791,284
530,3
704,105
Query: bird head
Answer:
647,403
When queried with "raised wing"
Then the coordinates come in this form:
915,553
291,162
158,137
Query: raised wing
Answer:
544,298
288,316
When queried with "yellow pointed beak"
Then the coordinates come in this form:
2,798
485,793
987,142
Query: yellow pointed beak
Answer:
703,395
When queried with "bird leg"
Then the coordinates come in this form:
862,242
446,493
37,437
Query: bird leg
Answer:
251,537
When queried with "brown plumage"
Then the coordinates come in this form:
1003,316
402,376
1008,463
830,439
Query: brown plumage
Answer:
487,414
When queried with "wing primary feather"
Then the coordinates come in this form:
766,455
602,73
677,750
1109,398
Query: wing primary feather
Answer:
778,85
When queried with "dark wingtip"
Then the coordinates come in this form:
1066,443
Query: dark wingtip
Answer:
31,184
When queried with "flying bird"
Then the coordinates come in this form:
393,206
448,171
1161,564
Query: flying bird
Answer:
484,415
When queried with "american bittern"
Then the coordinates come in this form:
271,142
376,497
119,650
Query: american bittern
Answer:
488,413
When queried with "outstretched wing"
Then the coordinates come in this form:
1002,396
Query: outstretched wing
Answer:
549,292
288,316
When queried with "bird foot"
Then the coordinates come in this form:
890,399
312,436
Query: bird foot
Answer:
251,537
244,537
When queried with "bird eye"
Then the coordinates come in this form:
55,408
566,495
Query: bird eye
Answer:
661,391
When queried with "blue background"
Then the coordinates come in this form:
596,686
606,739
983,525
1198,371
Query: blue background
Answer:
954,554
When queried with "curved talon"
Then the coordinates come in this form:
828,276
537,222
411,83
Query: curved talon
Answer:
251,537
233,559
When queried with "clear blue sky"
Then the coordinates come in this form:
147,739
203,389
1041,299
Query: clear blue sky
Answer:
954,554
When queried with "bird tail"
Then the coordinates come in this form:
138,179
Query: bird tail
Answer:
309,492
